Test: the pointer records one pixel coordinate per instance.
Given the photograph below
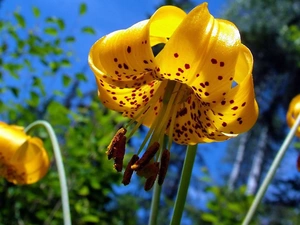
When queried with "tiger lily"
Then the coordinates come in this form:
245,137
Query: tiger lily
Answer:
23,159
293,113
197,89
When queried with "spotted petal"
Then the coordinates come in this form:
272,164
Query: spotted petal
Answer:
123,62
202,53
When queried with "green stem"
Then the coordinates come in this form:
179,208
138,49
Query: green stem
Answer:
271,172
156,192
155,204
60,167
184,184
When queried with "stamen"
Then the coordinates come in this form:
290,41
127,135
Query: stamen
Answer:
164,164
148,155
128,171
150,182
112,147
119,153
149,170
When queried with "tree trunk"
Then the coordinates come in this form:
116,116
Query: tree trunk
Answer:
238,161
256,169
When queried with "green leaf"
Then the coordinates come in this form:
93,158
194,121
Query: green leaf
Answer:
66,80
91,219
82,9
34,99
36,12
59,22
209,217
70,39
81,76
51,31
20,19
15,91
88,30
65,63
84,191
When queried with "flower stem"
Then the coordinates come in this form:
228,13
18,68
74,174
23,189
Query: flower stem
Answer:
184,184
156,192
271,172
155,204
60,167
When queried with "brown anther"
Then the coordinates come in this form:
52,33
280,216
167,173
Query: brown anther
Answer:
128,171
111,149
148,155
164,164
150,182
119,153
149,170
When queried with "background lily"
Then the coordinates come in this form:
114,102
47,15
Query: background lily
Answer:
23,159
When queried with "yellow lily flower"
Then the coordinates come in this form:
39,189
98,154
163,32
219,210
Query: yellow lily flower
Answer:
198,88
293,113
23,159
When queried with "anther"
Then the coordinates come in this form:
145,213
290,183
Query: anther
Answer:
128,171
112,147
119,153
150,182
148,155
149,170
164,163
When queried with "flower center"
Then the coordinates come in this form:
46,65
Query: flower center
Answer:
155,160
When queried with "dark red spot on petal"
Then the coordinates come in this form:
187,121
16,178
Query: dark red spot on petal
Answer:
214,61
222,64
220,77
231,101
243,104
187,66
235,108
176,55
128,49
115,60
224,124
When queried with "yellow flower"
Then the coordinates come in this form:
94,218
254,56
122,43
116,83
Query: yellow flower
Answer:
23,159
198,88
293,113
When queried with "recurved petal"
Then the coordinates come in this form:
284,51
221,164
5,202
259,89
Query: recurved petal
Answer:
124,64
237,112
202,53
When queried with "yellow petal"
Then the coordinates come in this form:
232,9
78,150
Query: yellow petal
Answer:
30,163
238,111
124,59
11,138
192,124
293,113
202,53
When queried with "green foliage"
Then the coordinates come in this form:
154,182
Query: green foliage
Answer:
227,207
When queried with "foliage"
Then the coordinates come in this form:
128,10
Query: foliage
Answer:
227,207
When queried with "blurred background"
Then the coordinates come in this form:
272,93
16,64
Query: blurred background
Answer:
44,75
